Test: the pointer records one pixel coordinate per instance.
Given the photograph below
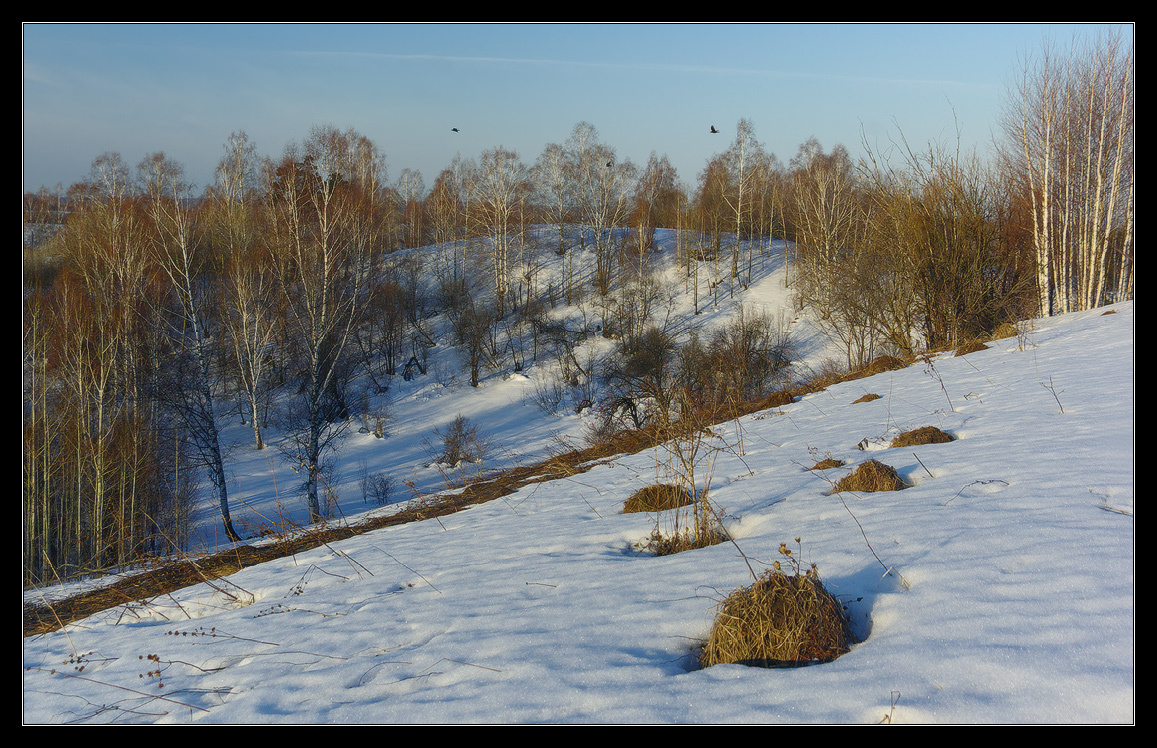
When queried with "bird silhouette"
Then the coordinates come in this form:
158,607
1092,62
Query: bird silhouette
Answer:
453,129
713,130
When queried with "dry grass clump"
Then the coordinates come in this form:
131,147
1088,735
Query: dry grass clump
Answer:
827,464
866,398
883,364
1005,330
922,435
783,620
657,498
971,346
776,399
687,539
872,475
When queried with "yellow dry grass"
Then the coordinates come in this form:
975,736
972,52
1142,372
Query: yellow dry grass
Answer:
657,498
872,475
780,621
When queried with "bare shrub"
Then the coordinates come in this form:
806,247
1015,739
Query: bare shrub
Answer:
782,620
462,442
377,488
922,435
872,475
548,393
465,449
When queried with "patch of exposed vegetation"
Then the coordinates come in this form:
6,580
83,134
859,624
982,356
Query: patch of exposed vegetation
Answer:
872,475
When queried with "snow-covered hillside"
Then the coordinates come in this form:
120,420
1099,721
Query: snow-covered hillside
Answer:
999,588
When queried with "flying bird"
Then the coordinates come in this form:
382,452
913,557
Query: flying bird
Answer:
455,129
713,130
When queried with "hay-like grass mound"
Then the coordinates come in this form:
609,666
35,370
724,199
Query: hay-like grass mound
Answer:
657,498
780,621
872,475
866,398
883,364
827,464
687,539
922,435
1005,330
972,346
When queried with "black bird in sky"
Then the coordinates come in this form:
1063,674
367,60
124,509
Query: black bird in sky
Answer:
453,129
713,130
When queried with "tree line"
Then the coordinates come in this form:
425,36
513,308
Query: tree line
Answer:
280,293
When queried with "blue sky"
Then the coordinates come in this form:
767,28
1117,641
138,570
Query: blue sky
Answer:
183,89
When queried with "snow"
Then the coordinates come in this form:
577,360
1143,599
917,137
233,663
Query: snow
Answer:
999,588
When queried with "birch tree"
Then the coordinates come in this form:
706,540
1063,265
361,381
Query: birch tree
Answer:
1069,136
500,186
234,223
743,159
324,239
168,205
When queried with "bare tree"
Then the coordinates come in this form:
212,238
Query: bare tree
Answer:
826,217
656,200
610,183
500,186
168,199
324,234
742,159
1069,135
411,190
234,224
101,489
553,188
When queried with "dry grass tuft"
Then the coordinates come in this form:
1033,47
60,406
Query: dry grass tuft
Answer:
872,475
666,544
1005,330
827,464
657,498
883,364
866,398
780,621
776,399
971,346
922,435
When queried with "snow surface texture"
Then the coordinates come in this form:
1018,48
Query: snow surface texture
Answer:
999,588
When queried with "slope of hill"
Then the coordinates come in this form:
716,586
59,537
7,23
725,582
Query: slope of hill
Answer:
999,587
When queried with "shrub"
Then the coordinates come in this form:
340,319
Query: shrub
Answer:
781,620
462,442
464,451
872,475
376,487
922,435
